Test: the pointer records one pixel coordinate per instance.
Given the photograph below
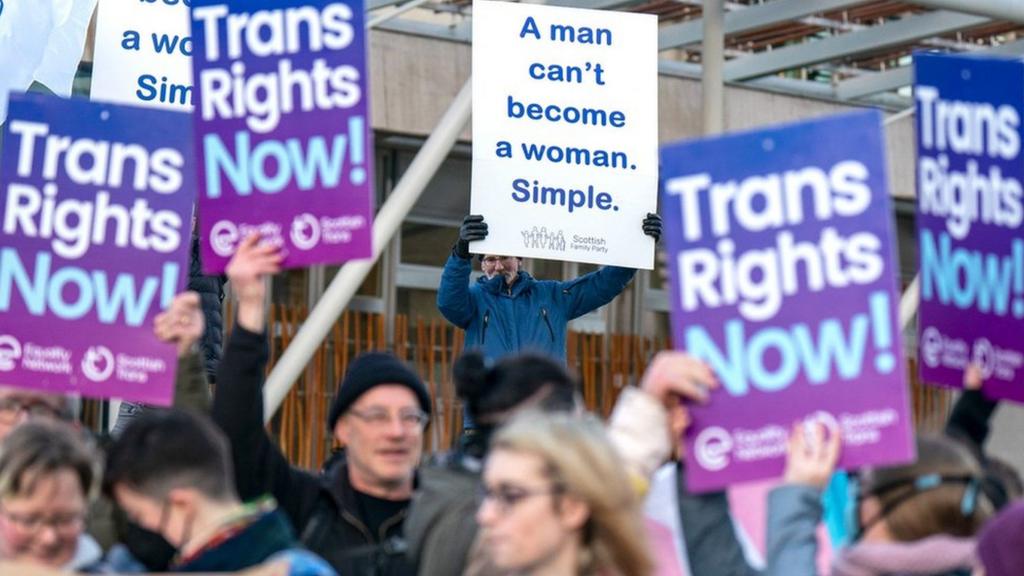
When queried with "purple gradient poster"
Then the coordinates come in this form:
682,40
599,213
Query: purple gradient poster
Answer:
780,243
969,220
96,221
282,128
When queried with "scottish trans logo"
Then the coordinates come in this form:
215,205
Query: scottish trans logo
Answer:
305,231
98,364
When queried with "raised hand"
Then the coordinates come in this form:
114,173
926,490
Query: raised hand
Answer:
673,375
182,323
812,454
652,226
473,228
248,272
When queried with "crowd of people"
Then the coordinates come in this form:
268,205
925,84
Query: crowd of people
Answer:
537,486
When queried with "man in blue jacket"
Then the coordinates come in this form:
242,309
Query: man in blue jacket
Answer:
506,310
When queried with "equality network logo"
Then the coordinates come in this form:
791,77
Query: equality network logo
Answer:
716,447
223,238
10,348
98,363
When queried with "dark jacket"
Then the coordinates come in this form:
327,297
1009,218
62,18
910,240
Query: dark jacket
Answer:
211,296
442,527
709,532
969,420
267,538
322,507
532,315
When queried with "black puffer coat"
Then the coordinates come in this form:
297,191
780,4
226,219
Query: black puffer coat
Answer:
211,294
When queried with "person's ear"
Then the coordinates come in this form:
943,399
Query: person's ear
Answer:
182,499
342,431
574,512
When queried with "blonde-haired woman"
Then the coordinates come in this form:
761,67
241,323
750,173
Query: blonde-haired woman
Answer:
557,501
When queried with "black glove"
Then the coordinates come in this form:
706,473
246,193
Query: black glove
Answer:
652,226
474,228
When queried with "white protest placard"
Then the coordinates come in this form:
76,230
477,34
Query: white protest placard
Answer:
143,54
565,134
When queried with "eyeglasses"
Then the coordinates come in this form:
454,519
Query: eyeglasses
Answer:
505,498
33,523
11,409
379,418
496,259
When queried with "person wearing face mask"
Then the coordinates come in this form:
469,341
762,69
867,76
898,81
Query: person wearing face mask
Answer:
920,518
171,472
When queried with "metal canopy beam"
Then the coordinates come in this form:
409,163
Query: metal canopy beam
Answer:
790,86
457,33
1012,10
896,78
375,4
875,83
787,86
690,32
907,30
594,4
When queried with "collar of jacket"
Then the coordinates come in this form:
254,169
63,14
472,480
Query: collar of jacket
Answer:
496,285
338,486
260,537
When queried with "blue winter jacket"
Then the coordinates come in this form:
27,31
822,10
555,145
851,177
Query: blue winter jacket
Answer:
530,316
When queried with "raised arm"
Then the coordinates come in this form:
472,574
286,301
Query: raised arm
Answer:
453,299
181,324
238,401
972,412
591,291
794,509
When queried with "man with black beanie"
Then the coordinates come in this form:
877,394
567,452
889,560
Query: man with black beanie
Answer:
352,513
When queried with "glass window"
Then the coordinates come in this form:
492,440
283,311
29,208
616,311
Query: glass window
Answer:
291,287
544,269
371,285
427,244
657,276
417,303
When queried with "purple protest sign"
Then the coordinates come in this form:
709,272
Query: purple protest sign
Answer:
96,224
969,220
784,282
282,123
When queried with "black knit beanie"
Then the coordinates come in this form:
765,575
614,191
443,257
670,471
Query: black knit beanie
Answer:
375,369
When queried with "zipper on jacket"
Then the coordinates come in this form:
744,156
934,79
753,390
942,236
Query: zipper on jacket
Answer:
391,522
358,525
483,333
544,314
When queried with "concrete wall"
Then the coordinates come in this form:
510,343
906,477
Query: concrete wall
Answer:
414,79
